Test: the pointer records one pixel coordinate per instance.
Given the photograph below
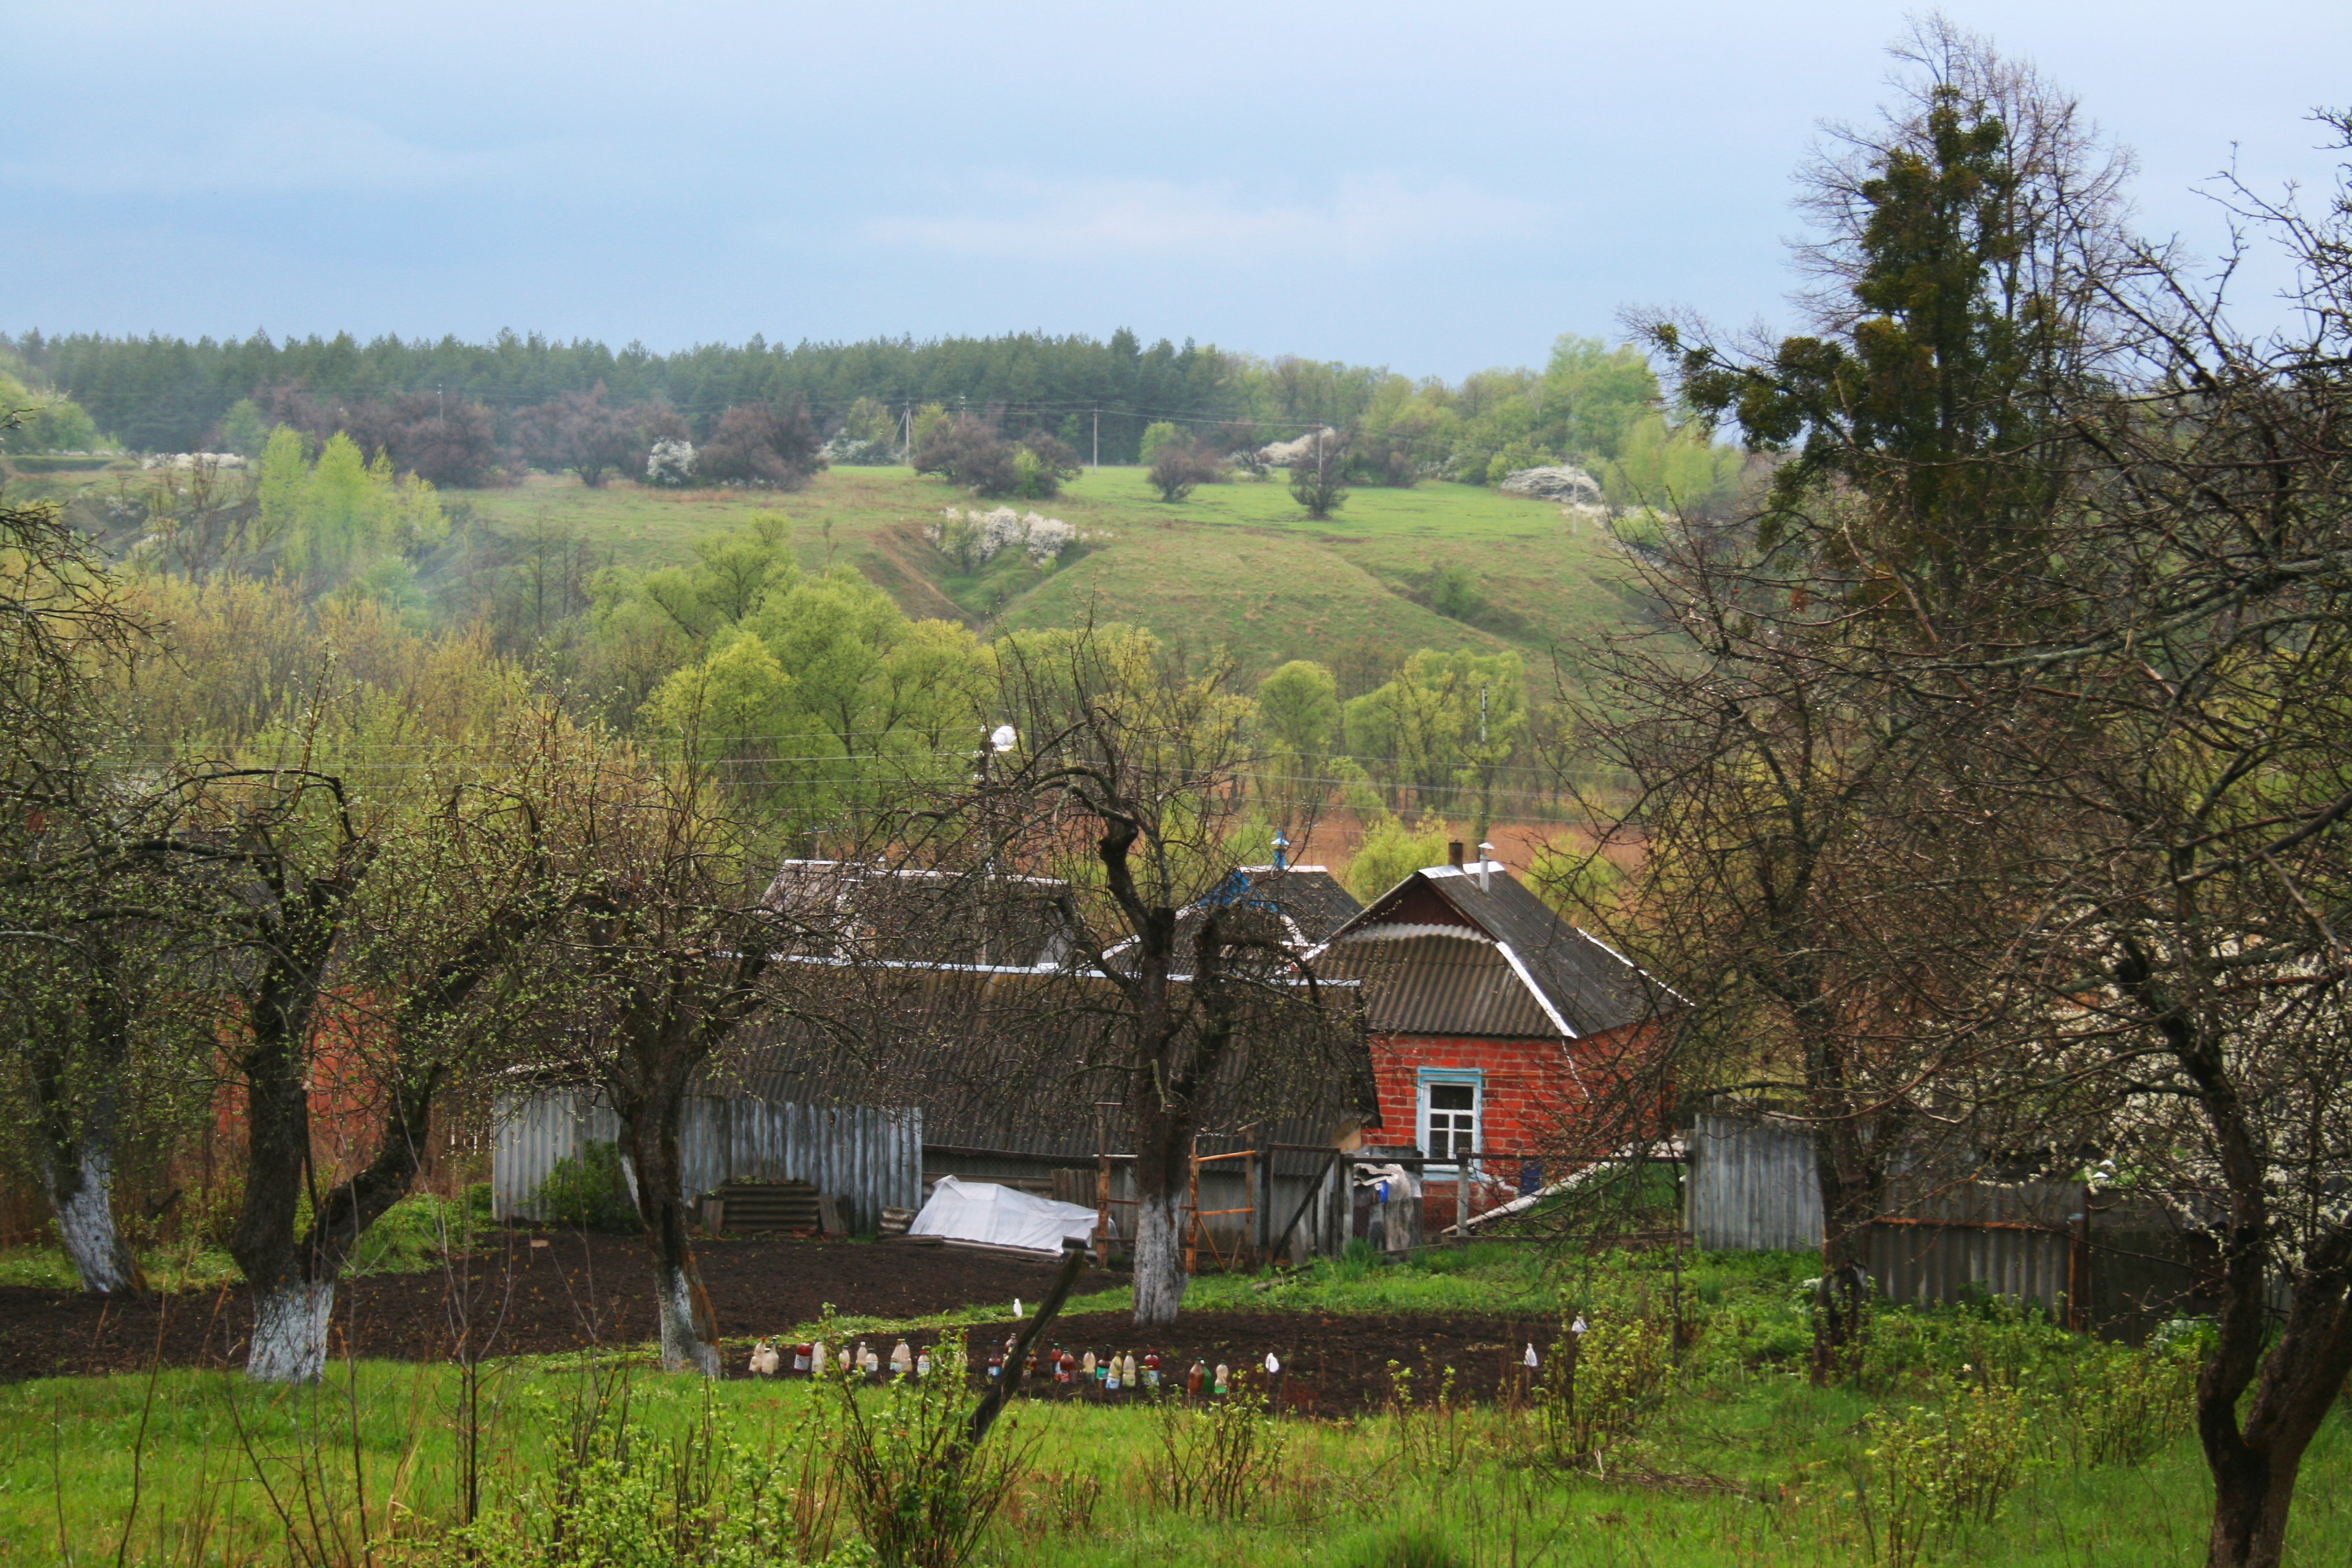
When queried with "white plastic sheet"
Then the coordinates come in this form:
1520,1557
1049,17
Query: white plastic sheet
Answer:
1000,1217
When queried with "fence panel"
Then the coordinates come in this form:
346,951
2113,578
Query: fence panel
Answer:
1753,1186
869,1155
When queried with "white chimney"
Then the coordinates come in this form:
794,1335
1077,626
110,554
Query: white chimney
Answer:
1485,863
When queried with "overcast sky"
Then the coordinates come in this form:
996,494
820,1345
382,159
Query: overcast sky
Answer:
1432,187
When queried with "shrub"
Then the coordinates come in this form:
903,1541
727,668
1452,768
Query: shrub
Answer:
1454,592
921,1497
670,463
1318,478
2127,1405
1042,464
1934,1470
584,1189
1601,1383
756,445
1219,1458
1177,467
614,1495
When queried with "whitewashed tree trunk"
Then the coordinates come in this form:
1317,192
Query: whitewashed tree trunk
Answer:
1160,1278
683,1349
82,1199
289,1331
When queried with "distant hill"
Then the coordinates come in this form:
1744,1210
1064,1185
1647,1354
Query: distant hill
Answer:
1237,565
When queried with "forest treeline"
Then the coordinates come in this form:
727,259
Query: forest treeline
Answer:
470,414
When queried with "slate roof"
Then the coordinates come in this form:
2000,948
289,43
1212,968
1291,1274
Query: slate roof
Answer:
1296,907
1440,955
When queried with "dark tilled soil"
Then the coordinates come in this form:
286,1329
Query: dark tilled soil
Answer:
568,1290
571,1290
1331,1365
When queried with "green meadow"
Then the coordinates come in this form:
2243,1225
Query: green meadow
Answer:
1235,564
1964,1435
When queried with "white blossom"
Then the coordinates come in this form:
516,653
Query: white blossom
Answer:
670,463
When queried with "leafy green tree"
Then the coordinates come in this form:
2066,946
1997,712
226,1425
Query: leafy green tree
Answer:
1296,721
1963,256
1298,708
42,422
1594,395
1318,477
1392,851
1156,436
1442,725
244,429
282,487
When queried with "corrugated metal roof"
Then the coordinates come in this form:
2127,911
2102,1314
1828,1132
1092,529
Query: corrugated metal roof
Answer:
1426,982
1570,983
1019,1061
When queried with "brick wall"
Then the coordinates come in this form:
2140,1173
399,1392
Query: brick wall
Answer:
1529,1101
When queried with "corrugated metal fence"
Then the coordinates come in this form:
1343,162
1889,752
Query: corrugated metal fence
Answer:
870,1156
2117,1262
1752,1186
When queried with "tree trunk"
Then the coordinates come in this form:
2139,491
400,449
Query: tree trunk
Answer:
2250,1509
1850,1186
76,1154
1160,1278
290,1329
80,1190
650,1125
1163,1149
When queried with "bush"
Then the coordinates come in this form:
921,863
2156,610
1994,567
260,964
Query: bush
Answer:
1042,464
1934,1470
1177,467
919,1494
1217,1459
414,1234
1454,592
586,1189
614,1495
1601,1383
775,448
966,449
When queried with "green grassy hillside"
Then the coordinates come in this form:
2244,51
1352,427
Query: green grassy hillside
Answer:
1236,564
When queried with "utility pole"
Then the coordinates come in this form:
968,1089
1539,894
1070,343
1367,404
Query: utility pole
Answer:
1485,772
906,433
1098,440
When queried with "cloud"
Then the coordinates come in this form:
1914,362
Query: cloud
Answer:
277,152
1366,218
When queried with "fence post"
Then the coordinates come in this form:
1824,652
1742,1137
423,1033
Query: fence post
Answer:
1192,1214
1261,1171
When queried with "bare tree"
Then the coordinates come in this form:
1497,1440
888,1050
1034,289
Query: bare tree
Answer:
2081,639
1124,783
385,940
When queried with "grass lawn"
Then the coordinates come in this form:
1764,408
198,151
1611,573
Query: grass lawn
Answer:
1236,564
1732,1456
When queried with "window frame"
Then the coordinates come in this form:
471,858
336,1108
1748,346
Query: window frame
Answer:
1475,1079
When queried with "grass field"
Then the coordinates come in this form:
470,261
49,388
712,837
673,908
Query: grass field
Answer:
1235,564
1731,1455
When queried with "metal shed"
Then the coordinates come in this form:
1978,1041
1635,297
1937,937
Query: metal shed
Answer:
870,1156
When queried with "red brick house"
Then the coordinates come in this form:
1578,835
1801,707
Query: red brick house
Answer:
1492,1022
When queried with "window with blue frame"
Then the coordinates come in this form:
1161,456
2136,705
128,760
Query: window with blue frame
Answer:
1449,1116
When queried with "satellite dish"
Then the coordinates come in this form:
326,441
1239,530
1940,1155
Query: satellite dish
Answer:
1001,739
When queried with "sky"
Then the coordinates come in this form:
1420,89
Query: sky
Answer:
1432,188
